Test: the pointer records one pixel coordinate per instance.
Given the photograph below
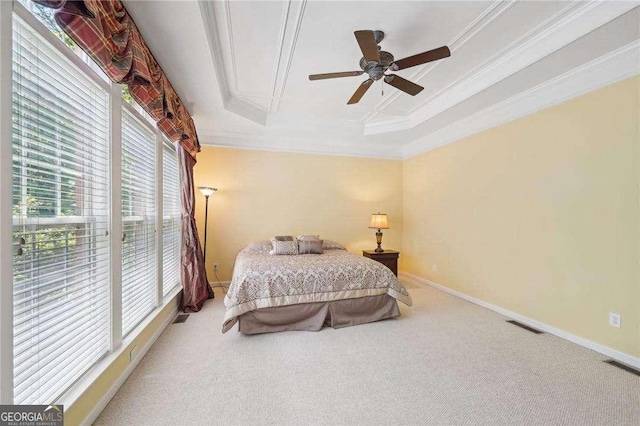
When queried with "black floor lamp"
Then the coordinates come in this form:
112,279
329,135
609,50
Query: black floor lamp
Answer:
206,191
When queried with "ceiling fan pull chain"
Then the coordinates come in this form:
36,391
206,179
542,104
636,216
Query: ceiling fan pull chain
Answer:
382,79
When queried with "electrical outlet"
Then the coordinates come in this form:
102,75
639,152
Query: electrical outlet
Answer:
434,268
614,319
216,266
134,353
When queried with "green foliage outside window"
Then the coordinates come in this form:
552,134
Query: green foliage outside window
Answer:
126,95
45,15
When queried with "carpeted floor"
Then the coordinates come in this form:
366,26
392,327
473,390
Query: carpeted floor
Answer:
445,361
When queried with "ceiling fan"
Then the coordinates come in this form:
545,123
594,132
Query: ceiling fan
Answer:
376,62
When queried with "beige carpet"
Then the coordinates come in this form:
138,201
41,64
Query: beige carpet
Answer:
445,361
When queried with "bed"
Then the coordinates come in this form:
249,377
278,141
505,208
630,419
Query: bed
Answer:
270,293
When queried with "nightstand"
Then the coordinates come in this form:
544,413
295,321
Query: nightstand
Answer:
388,258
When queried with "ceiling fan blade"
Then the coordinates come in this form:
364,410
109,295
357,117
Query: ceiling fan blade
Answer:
421,58
402,84
360,92
367,41
335,75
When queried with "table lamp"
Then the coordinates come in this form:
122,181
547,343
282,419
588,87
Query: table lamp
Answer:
379,221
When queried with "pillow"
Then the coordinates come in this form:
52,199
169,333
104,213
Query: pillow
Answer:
332,245
284,246
309,246
283,238
308,237
258,247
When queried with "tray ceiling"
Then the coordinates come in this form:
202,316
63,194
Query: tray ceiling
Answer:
242,67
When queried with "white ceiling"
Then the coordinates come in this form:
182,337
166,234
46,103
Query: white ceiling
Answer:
242,67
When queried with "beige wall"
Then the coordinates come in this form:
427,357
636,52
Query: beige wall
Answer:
263,193
540,216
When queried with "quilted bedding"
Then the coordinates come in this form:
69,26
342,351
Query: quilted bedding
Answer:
261,280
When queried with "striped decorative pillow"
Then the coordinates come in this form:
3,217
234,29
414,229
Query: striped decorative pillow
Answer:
308,237
310,247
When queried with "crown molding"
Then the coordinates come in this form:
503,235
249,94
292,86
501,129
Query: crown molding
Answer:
571,23
316,146
241,107
230,44
234,100
495,10
289,34
279,54
215,47
615,66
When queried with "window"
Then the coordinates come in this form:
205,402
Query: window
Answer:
138,220
171,221
61,281
45,15
66,259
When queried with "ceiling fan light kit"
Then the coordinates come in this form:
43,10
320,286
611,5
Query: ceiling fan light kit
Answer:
375,62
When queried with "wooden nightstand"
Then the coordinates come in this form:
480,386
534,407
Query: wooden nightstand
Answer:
389,258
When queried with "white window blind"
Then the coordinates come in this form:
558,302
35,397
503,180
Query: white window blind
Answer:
171,223
60,220
138,221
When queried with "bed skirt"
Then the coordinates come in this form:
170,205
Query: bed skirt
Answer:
314,316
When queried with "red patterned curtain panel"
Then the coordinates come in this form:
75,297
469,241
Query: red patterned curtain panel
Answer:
106,32
195,286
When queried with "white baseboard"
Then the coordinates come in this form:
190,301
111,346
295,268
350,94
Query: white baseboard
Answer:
97,409
605,350
224,284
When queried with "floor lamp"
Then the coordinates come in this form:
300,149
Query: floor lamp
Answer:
206,191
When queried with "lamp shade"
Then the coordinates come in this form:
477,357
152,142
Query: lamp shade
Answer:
206,191
379,221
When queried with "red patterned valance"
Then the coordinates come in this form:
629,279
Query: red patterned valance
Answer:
106,32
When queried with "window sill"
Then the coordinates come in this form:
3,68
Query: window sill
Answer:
84,384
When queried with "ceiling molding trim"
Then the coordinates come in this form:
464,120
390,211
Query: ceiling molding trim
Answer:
232,50
210,25
555,33
495,10
281,36
295,145
517,45
246,110
289,33
249,100
231,103
615,66
248,95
